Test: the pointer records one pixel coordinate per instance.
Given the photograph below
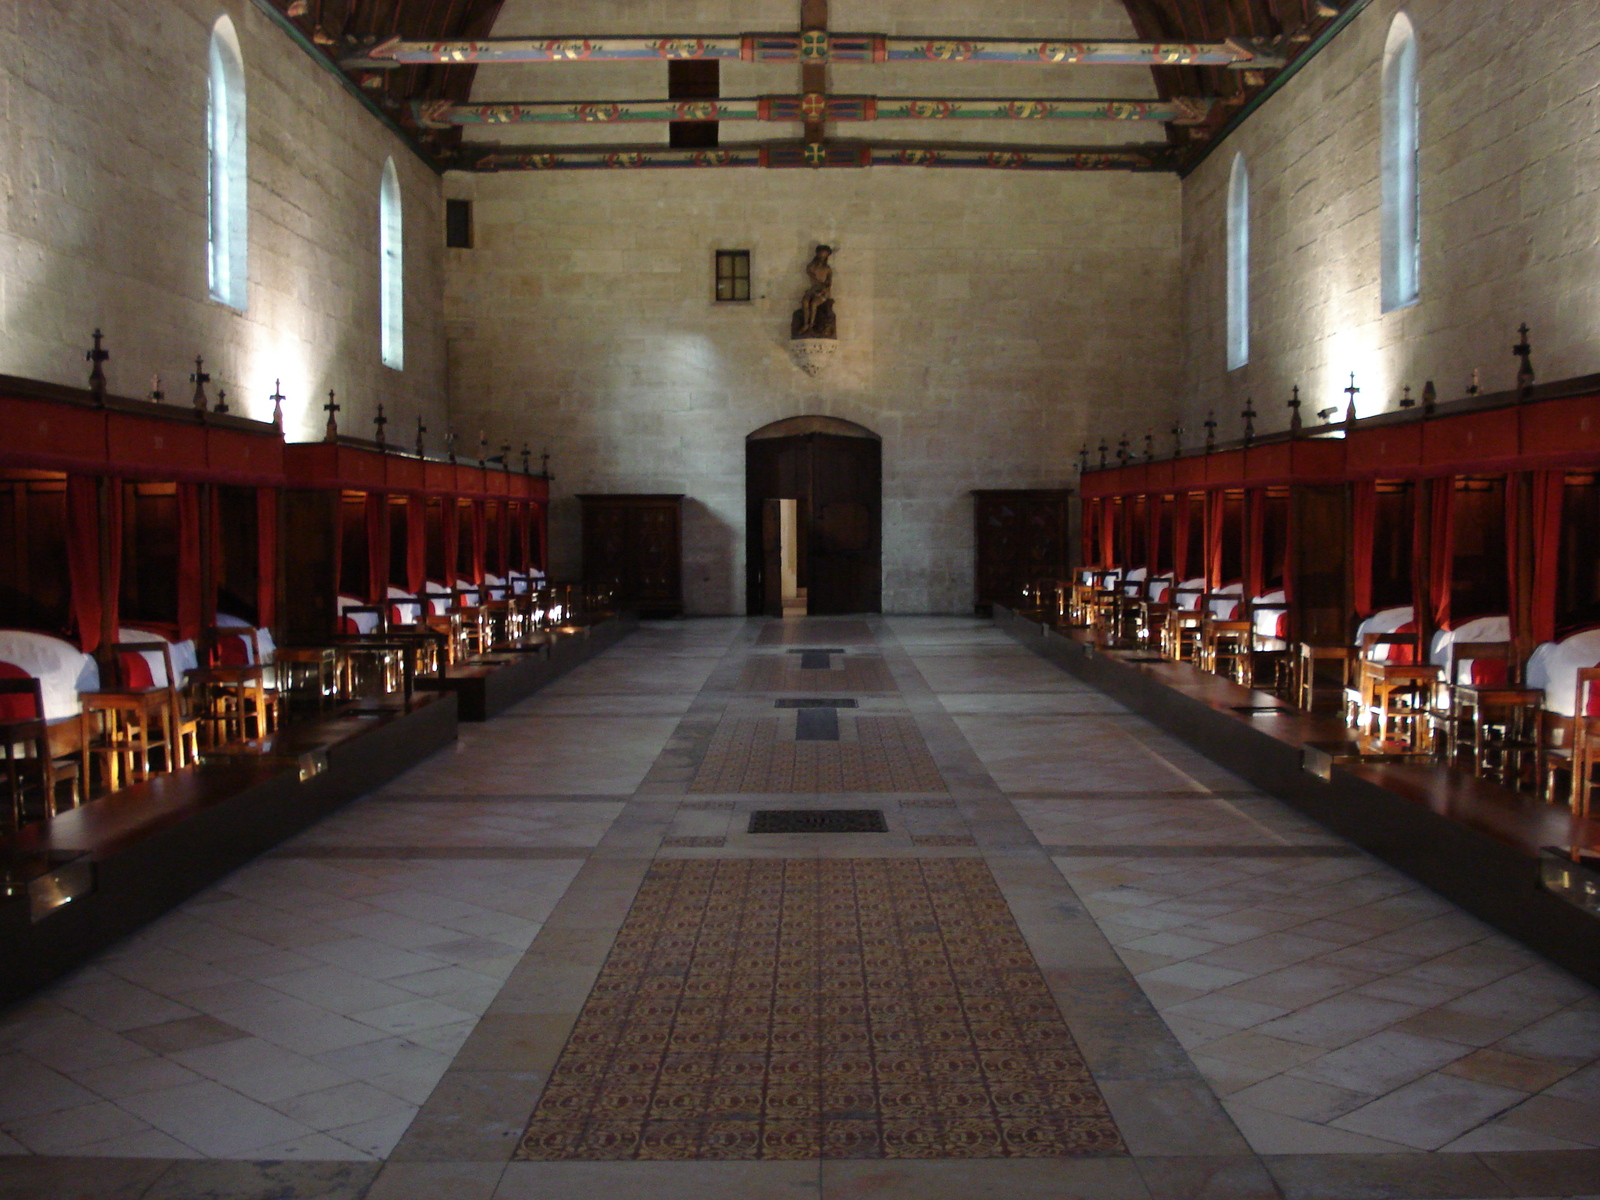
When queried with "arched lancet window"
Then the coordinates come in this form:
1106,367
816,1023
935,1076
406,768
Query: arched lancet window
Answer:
391,270
226,142
1238,264
1401,241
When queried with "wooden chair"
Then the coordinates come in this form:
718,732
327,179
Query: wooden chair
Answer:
1447,726
184,723
35,763
1180,632
1278,659
1225,641
1305,675
1392,695
1571,745
474,616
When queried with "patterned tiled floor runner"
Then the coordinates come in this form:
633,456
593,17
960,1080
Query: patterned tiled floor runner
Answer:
864,1008
747,754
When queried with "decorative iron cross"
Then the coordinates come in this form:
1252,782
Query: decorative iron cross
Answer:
544,465
1177,441
1405,397
379,422
505,457
332,407
1083,458
1150,446
1430,397
222,401
1249,415
1211,429
1524,350
156,394
1294,411
1103,449
97,377
483,449
200,379
527,457
277,399
1122,450
450,446
421,429
1352,391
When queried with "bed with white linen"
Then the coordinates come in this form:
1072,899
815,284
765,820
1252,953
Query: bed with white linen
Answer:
63,671
1554,668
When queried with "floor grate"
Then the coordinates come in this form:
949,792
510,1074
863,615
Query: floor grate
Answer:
818,820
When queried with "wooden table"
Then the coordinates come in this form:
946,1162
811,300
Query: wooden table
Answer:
226,697
1383,683
1513,709
309,670
137,721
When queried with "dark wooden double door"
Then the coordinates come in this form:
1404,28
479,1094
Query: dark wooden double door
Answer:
1021,539
838,482
633,544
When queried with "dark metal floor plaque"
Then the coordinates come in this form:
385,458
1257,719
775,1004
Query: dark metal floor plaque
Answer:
818,820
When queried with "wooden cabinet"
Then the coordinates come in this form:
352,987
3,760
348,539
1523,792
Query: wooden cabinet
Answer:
633,543
1021,537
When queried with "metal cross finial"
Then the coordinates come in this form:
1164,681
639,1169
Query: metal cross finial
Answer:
1472,388
1249,415
379,422
1103,454
200,379
527,458
1294,412
421,429
1211,429
222,401
1083,458
277,399
1150,446
1352,391
505,457
1430,397
544,465
450,446
483,449
156,394
1405,397
332,407
1177,441
1122,451
97,377
1524,350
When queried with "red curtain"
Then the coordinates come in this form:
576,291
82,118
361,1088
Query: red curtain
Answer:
536,537
1108,532
377,513
1363,544
1216,505
416,544
1442,547
190,585
1255,543
480,538
1180,535
450,528
1290,534
1548,493
503,538
267,557
1086,535
83,556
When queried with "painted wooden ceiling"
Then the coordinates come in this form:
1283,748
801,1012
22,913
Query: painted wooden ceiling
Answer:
344,30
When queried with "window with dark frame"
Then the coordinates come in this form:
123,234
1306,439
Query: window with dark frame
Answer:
733,275
458,224
693,79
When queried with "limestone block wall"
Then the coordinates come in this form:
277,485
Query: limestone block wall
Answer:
1510,217
103,162
986,319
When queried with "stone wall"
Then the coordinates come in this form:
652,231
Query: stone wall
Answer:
103,162
1510,217
985,318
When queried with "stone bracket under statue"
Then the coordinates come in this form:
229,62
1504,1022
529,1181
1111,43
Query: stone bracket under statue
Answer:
814,329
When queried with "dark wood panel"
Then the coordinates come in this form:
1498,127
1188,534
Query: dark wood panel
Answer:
1019,538
633,543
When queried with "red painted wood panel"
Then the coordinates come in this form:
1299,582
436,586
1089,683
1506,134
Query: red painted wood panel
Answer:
244,457
1562,427
1320,458
149,448
1158,476
1189,473
1227,467
1273,461
404,474
41,434
1394,449
311,464
361,468
439,477
499,483
1471,437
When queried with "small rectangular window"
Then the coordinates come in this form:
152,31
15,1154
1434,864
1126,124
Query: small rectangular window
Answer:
458,224
733,275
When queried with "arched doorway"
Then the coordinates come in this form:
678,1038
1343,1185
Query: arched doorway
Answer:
834,469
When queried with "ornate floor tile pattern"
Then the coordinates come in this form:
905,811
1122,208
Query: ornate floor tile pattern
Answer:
747,755
784,673
803,1008
816,632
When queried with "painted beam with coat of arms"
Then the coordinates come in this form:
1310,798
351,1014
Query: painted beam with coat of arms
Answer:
819,46
443,113
834,154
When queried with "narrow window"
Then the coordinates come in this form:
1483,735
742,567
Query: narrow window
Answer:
733,275
1401,241
228,190
391,270
1238,264
458,224
695,83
